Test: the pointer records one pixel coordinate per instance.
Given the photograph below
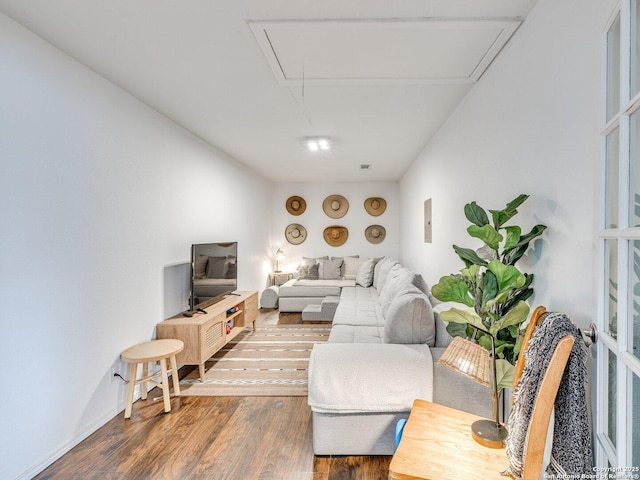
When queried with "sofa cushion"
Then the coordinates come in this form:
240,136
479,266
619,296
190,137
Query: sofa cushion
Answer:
409,318
397,278
312,261
368,378
312,288
358,307
364,277
381,272
306,272
342,267
330,269
356,334
443,339
350,267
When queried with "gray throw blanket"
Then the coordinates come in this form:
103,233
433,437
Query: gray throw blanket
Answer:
571,453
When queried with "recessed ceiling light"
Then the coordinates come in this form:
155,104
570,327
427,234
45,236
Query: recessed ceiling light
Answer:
316,144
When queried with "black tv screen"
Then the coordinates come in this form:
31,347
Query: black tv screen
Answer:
214,272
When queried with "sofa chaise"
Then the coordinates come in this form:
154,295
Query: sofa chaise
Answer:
381,355
316,279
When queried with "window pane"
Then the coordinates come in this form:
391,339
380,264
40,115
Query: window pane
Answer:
613,69
611,192
635,432
635,48
634,170
634,300
611,398
611,247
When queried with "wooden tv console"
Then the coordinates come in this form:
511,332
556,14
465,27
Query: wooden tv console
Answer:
206,333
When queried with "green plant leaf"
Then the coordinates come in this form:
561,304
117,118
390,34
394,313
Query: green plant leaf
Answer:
471,272
505,373
487,253
518,346
502,347
453,289
513,330
462,316
507,276
500,217
513,236
519,294
490,287
485,342
457,329
487,234
476,214
536,231
515,316
469,257
513,255
516,202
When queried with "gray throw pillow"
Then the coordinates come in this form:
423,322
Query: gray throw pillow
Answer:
308,272
306,261
410,319
350,267
344,259
365,273
330,269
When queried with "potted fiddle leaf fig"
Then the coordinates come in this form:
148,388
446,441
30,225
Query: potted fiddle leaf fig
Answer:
491,290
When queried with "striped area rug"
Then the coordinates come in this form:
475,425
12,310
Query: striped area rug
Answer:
272,361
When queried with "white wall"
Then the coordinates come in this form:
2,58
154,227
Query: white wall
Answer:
100,200
529,126
315,220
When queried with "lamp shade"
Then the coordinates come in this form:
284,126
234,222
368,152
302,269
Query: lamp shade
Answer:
472,360
468,358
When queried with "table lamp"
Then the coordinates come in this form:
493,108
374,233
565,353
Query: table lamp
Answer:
472,360
279,256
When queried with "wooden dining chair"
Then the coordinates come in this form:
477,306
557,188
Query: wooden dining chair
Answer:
543,406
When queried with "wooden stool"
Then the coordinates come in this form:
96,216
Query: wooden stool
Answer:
153,351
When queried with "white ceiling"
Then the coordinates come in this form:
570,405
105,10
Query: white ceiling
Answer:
256,78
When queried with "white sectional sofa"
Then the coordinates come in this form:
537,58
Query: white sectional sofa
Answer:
380,356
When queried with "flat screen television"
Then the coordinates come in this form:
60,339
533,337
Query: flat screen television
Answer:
214,272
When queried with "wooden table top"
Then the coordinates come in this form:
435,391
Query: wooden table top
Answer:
152,351
437,445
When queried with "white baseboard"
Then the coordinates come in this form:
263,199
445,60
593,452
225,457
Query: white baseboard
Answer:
77,438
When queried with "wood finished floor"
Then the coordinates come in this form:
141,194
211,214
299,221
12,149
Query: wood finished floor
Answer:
216,438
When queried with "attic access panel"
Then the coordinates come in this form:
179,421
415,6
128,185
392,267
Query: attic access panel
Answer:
338,52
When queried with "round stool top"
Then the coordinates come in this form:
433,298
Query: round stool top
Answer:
152,351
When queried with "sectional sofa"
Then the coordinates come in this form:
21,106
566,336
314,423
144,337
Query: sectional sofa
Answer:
381,354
